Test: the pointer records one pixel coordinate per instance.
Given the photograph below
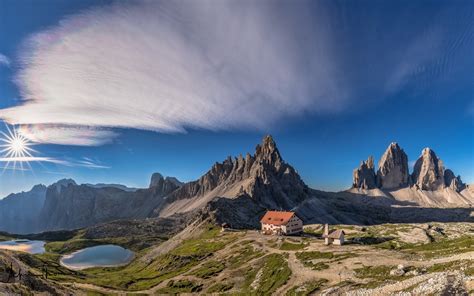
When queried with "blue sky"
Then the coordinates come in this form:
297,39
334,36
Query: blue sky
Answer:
114,91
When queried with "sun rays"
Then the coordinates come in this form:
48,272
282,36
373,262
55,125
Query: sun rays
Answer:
15,149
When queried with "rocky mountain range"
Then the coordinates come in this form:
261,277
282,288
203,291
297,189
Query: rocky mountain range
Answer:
19,211
239,190
430,184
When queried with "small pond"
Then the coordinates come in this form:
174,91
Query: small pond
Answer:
32,247
98,256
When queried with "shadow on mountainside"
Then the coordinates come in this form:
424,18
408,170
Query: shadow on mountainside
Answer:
352,208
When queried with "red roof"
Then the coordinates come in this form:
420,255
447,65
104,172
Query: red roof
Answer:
277,217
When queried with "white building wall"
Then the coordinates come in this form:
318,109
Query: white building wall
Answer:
294,225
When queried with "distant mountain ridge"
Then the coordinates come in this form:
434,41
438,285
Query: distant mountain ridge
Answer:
118,186
19,211
239,190
430,184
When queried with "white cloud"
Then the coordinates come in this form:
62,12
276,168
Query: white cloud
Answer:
168,66
4,60
12,161
32,159
66,135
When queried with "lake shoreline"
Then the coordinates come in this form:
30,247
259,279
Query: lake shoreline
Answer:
75,267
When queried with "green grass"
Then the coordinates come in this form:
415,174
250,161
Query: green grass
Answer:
307,259
275,273
70,246
306,288
443,247
220,287
313,231
137,275
242,256
465,265
180,286
305,256
374,272
208,269
51,261
286,246
378,274
4,236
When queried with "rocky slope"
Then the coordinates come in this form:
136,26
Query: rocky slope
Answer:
19,211
69,205
264,177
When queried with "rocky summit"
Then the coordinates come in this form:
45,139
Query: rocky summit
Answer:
364,175
429,173
393,168
164,185
264,176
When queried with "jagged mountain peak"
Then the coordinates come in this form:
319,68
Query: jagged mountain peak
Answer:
62,183
264,177
38,187
428,172
268,153
364,175
393,168
162,185
156,178
428,152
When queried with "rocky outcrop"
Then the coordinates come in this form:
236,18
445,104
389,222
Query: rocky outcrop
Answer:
164,185
393,168
453,182
61,184
428,173
364,175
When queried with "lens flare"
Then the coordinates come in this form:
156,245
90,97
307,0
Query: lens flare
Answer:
15,147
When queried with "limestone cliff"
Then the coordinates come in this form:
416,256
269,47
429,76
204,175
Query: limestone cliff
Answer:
364,175
393,168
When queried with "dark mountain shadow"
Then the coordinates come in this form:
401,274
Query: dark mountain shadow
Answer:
359,209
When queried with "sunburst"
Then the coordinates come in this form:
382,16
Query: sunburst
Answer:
15,147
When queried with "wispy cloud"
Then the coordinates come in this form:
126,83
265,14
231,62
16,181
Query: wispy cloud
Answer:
16,169
170,65
69,162
67,135
33,159
167,66
4,60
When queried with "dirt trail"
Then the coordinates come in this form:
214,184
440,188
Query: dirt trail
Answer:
337,271
299,275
